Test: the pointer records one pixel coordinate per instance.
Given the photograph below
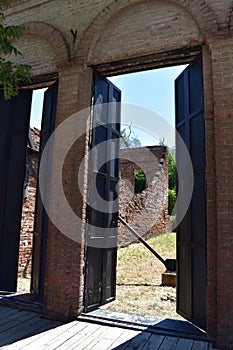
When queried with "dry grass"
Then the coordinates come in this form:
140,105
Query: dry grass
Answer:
23,285
139,287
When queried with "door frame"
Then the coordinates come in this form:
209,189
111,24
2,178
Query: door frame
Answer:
39,82
153,61
106,256
191,231
40,232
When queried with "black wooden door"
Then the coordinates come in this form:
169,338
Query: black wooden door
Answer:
14,124
191,233
41,217
101,235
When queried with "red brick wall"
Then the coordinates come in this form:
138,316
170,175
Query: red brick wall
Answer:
210,193
28,211
222,75
64,282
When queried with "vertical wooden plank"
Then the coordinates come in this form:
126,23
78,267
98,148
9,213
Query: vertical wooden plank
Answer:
41,218
14,125
101,251
191,233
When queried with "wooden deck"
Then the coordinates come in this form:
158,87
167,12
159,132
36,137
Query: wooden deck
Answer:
28,330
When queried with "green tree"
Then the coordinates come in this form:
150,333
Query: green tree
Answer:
171,200
171,171
129,139
10,73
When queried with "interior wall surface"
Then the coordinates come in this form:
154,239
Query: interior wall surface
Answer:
69,37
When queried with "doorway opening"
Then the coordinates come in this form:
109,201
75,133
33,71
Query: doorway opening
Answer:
139,287
27,123
191,234
30,193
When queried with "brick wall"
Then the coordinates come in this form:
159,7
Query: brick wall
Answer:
108,31
222,73
146,212
28,211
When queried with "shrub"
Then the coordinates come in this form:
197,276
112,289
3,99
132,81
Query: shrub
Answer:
171,200
140,181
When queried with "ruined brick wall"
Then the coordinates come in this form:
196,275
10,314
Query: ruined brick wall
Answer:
146,212
28,211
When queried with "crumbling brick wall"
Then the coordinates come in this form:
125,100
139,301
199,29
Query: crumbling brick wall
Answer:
28,211
146,212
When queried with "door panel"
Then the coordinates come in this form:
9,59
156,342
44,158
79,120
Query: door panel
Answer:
191,233
101,251
14,124
41,217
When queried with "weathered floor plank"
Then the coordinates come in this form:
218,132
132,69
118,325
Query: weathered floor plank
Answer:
200,346
5,310
24,330
13,315
79,335
184,344
95,340
110,337
35,341
137,342
52,340
123,340
15,322
169,343
154,342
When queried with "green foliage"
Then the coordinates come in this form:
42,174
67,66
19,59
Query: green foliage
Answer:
139,181
10,73
171,182
171,200
171,171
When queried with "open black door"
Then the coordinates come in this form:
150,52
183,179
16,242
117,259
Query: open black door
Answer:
101,235
191,233
14,125
41,217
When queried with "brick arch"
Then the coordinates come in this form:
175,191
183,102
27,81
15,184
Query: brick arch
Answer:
199,10
53,36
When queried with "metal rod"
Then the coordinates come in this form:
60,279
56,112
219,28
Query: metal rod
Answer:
142,240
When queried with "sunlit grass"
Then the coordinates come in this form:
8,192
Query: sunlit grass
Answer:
139,272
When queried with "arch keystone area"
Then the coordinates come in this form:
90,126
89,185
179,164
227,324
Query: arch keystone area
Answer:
199,10
52,35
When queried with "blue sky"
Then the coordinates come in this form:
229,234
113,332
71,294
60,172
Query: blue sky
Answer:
150,89
37,106
153,90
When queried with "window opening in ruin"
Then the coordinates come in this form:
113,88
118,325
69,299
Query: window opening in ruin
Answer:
139,181
139,273
29,193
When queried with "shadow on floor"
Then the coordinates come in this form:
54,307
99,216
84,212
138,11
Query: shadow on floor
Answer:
19,324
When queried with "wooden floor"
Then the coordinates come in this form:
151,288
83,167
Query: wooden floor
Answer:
28,330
